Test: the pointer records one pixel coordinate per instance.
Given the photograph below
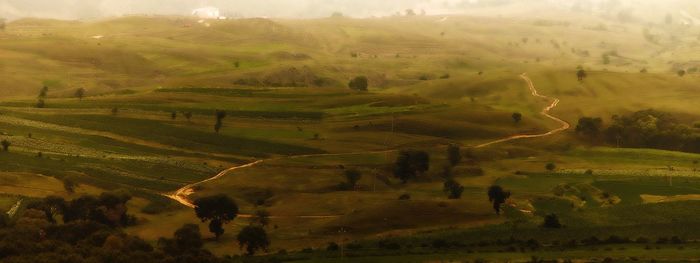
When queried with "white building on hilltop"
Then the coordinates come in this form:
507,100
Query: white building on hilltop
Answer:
207,13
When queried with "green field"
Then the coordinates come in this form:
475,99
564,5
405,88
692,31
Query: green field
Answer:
283,85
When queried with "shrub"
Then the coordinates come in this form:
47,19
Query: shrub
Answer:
359,83
332,246
550,167
551,221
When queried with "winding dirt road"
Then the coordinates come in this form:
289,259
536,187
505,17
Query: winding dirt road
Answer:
545,112
182,194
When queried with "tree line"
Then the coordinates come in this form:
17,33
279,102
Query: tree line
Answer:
642,129
91,229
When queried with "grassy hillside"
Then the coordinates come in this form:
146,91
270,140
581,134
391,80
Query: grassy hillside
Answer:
283,85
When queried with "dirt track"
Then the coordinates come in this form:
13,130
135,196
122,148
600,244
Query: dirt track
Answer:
181,195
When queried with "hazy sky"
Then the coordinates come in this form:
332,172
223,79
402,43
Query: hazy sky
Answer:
72,9
88,9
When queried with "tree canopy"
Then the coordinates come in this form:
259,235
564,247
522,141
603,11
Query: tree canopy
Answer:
218,210
410,164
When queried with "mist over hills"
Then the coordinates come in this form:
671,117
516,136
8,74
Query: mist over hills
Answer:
89,9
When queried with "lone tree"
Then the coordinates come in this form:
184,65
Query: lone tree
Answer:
551,221
69,184
359,83
550,167
218,209
581,74
80,93
186,239
5,145
589,127
410,164
253,239
352,176
681,73
220,115
261,218
453,189
173,115
454,154
517,117
188,115
497,196
42,96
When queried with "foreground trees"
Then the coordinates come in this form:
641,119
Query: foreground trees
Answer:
253,239
218,210
652,129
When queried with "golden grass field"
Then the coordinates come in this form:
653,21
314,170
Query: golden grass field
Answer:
284,86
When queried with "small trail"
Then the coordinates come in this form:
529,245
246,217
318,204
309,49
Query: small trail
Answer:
182,194
545,112
11,213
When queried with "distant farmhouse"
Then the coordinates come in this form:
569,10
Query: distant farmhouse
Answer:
207,13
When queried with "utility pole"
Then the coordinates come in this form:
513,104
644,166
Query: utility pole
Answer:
342,232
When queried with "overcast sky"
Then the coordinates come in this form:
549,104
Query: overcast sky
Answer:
73,9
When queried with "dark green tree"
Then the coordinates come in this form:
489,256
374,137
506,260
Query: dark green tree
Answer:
218,210
453,189
5,145
41,98
581,74
454,154
352,176
359,83
188,237
497,196
517,117
589,127
80,93
550,167
261,218
410,164
551,221
220,115
186,240
253,239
